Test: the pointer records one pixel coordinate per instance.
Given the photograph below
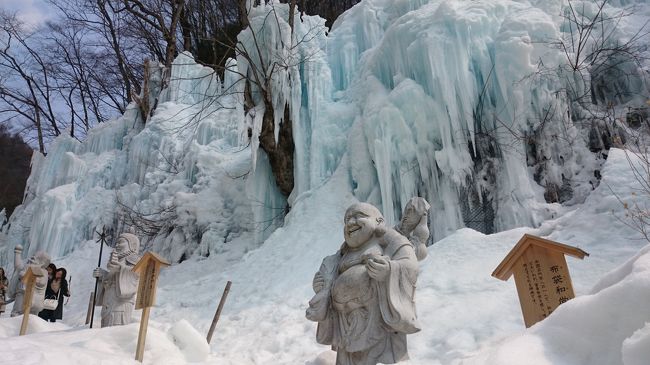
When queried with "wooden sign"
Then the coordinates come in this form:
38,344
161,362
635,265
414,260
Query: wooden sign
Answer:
541,275
149,269
29,279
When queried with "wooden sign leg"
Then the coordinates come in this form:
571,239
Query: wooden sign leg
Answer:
90,306
27,305
23,325
142,335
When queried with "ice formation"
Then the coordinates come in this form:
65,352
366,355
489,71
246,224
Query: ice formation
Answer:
442,99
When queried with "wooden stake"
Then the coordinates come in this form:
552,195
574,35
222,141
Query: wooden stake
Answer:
28,280
218,313
142,334
148,269
91,303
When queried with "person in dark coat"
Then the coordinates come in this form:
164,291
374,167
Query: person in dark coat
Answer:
4,285
57,287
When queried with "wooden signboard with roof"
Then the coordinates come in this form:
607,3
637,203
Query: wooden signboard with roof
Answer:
29,279
541,275
149,269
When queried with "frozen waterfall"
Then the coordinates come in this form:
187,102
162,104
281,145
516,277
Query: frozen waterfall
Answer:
441,99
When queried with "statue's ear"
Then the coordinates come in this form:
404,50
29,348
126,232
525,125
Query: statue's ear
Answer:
380,220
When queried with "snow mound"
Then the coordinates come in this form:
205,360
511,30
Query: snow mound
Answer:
636,349
191,343
58,343
608,327
10,326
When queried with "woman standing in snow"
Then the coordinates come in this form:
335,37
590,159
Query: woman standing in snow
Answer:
4,284
57,288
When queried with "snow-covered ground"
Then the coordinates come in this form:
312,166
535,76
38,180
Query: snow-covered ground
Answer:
468,317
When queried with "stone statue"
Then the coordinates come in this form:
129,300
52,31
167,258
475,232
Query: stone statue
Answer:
118,287
414,225
38,264
364,301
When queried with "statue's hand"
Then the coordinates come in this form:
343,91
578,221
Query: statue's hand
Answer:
113,262
98,272
18,249
378,268
319,282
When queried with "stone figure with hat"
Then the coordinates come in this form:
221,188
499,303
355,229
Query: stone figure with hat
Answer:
118,287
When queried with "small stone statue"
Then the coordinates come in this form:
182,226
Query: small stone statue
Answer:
414,225
116,293
38,264
364,302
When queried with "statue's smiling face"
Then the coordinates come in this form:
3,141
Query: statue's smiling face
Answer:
360,224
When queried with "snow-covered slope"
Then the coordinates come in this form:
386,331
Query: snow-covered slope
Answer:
468,316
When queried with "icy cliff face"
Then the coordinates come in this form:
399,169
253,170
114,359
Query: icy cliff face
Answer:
177,180
462,102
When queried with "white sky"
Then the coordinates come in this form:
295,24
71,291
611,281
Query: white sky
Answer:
32,12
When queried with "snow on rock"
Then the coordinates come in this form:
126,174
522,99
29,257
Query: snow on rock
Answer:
636,349
191,343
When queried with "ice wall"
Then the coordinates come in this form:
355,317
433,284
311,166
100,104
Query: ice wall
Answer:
178,180
461,102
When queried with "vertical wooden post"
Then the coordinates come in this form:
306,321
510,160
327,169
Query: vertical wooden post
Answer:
148,268
91,303
142,334
218,313
28,280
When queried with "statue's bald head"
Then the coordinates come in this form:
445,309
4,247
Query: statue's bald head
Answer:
361,221
364,208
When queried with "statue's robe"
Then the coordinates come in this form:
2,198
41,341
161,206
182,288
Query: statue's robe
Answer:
364,320
117,292
17,289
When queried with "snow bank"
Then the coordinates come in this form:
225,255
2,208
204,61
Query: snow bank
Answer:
608,327
55,342
191,343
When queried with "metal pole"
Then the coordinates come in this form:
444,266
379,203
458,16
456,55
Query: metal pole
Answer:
218,313
101,240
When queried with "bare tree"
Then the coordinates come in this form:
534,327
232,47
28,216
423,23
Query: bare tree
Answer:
163,16
26,91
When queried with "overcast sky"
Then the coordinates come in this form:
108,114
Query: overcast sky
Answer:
30,11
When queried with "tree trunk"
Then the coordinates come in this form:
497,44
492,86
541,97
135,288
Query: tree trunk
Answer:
280,153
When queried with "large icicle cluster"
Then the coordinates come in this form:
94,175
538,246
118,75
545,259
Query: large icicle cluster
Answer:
462,102
177,180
